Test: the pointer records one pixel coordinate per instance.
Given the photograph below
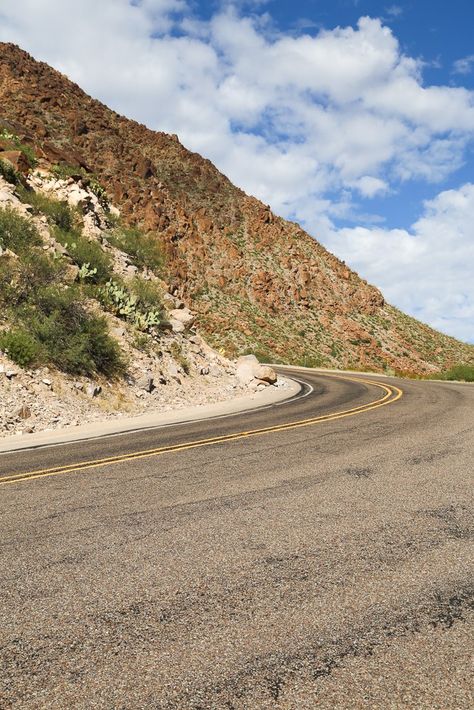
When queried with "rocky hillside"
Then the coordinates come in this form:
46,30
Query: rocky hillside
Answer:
256,282
88,329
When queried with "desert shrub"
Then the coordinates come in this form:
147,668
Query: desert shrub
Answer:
148,293
68,336
311,361
21,347
20,279
460,372
17,232
8,172
144,249
145,343
62,171
179,357
58,212
86,253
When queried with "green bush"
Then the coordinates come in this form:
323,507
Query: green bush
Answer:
179,357
58,212
144,249
8,172
148,293
20,279
460,372
21,347
62,171
86,253
70,337
17,232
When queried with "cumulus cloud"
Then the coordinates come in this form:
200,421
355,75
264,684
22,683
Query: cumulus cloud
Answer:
310,123
369,186
426,270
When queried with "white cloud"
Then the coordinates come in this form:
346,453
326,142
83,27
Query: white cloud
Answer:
464,65
307,123
427,270
394,10
369,186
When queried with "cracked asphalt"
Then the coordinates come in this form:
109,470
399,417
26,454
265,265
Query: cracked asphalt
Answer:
328,566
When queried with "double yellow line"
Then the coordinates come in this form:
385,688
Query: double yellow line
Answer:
392,394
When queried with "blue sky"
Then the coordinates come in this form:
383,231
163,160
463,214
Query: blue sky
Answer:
353,117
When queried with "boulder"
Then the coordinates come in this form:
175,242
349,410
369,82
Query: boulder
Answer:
146,383
177,326
246,364
93,390
248,369
182,315
17,160
266,374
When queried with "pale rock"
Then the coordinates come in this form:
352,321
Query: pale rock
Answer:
118,332
146,383
76,195
266,374
173,370
249,368
93,390
245,368
177,326
24,412
183,315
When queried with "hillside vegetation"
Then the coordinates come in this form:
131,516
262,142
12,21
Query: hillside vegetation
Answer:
257,282
88,329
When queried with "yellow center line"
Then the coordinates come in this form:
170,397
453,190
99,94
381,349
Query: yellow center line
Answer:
392,394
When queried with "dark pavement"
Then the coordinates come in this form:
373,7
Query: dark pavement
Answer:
321,566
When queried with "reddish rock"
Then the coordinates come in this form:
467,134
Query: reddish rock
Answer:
17,160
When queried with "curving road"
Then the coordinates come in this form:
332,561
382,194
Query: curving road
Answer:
316,553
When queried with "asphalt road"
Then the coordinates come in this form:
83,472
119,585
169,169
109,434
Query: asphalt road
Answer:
322,560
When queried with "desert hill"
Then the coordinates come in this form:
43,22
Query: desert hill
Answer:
256,282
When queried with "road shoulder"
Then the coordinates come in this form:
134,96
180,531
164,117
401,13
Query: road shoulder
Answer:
255,400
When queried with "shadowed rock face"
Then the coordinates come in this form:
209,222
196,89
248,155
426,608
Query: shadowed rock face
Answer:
256,281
